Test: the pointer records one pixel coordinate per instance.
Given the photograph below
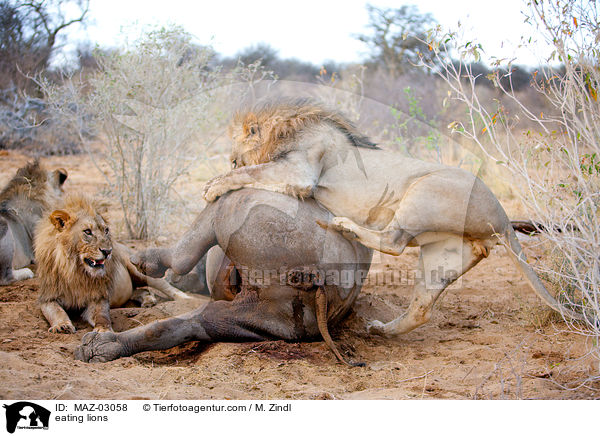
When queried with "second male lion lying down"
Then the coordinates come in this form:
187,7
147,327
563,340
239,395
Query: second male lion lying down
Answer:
293,277
23,200
80,267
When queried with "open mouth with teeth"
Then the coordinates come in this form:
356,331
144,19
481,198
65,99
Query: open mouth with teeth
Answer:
95,263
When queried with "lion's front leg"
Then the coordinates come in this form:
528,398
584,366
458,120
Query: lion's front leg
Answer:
220,185
292,175
97,314
57,317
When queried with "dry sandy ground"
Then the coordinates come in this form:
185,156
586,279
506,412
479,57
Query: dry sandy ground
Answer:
483,341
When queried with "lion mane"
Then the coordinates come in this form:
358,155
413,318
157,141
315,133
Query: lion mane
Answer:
81,267
277,123
61,274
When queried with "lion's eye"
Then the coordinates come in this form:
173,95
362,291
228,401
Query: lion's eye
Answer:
234,163
253,130
88,232
106,231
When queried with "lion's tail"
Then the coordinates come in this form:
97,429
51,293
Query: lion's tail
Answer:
516,252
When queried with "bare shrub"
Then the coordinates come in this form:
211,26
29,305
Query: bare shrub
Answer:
556,165
153,108
26,124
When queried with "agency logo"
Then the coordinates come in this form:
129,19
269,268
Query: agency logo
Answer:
26,415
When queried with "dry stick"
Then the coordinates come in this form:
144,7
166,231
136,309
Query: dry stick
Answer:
138,321
68,387
582,384
467,374
415,378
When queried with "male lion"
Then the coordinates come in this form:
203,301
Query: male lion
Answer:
384,200
22,202
79,267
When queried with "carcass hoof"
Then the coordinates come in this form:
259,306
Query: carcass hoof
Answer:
99,347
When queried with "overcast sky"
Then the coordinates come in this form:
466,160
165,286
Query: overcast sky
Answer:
309,30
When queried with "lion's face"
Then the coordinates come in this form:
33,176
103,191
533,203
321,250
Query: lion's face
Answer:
246,136
86,237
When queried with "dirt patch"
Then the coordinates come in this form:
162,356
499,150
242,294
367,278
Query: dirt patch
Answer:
480,343
18,292
181,355
282,351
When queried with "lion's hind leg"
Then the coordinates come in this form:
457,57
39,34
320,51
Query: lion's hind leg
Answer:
441,263
7,274
147,298
161,285
166,288
97,314
144,297
387,241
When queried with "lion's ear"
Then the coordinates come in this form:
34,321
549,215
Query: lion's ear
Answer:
60,175
250,125
59,218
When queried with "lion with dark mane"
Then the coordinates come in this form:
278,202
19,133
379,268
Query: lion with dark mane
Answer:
22,201
383,200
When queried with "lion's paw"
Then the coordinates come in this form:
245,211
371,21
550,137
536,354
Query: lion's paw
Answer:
341,221
64,327
214,188
148,300
148,263
23,274
99,347
376,327
344,226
